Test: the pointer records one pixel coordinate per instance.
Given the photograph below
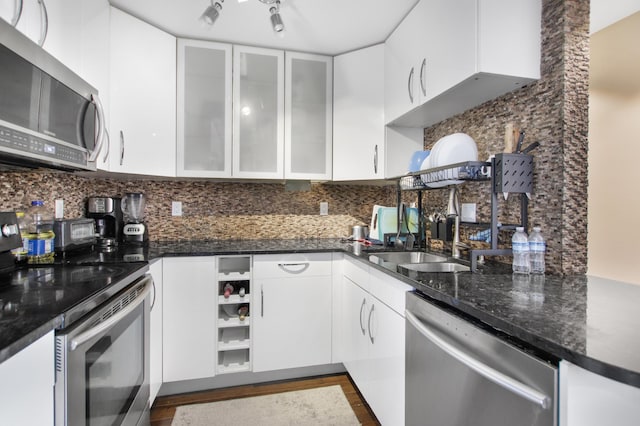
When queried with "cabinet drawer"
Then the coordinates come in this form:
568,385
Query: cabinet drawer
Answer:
292,265
357,271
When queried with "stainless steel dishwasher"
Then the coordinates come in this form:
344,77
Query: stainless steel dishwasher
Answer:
458,374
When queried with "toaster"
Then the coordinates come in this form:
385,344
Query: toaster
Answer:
72,234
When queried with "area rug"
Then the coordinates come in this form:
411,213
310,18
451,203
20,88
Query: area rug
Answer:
319,406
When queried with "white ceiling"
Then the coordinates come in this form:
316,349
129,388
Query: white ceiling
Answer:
327,27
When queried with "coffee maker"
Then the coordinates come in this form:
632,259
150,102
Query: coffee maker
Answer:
134,230
107,213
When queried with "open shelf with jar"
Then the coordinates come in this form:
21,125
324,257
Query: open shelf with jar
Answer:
234,314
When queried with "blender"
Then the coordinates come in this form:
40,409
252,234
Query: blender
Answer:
134,230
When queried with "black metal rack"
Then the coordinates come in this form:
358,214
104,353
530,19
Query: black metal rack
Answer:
509,173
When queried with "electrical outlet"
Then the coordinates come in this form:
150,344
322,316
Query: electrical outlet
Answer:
324,208
59,209
176,208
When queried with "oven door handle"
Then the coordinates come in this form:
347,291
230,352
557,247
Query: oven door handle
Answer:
105,325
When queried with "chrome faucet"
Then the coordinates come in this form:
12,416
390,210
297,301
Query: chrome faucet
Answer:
453,209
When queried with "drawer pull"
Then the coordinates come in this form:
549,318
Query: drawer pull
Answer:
286,267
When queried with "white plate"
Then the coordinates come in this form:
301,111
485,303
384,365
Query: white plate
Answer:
454,148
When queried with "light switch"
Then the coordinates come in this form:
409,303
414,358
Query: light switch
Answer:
176,208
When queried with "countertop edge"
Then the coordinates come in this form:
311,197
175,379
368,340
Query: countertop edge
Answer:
614,372
29,338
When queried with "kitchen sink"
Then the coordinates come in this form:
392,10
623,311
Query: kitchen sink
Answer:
435,267
406,257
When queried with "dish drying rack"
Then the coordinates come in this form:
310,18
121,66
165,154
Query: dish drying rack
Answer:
509,174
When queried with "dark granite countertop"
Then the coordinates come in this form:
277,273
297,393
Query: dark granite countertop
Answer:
589,321
36,300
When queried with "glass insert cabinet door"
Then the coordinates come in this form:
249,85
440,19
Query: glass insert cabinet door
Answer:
258,119
308,116
204,124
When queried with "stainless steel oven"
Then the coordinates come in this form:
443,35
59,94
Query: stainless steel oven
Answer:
102,362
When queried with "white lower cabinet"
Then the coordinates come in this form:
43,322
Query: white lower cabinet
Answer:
155,338
588,399
292,311
374,340
189,315
26,388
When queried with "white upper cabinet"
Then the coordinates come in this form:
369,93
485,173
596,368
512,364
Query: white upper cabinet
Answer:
9,10
64,34
442,60
308,116
358,115
258,113
204,109
94,64
33,19
143,97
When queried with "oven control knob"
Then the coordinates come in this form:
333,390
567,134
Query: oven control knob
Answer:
10,229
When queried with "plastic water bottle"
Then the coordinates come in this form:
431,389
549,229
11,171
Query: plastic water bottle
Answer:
520,249
40,227
537,249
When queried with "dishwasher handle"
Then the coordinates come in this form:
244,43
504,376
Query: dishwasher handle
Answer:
490,373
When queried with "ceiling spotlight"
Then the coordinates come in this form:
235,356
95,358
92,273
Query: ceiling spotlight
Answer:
211,13
276,20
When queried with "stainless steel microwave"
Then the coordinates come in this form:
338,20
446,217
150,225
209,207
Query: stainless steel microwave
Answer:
49,116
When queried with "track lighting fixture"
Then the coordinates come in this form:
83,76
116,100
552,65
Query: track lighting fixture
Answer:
276,20
211,13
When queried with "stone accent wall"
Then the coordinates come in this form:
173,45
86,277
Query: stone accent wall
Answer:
553,111
211,210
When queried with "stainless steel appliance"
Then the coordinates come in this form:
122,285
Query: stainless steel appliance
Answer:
107,214
102,363
135,230
49,116
73,234
459,374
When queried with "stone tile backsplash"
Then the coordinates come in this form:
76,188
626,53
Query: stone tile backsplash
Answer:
211,210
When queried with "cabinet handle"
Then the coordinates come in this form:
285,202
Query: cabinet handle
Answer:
482,369
285,266
410,85
121,147
423,83
364,302
107,139
44,22
153,301
17,13
375,159
369,323
261,302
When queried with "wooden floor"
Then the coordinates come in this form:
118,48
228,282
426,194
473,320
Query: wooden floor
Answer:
165,407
